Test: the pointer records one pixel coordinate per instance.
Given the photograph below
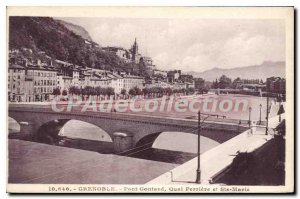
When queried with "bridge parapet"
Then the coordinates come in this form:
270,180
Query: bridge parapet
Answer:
139,118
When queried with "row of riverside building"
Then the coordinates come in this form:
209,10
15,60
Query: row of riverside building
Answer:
31,81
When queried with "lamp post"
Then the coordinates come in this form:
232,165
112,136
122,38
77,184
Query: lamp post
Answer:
267,117
198,178
250,109
260,114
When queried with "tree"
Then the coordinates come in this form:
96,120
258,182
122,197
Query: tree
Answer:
110,91
146,91
65,92
72,90
224,82
168,91
88,90
236,82
191,90
98,91
138,91
123,91
132,92
183,90
175,91
56,91
77,91
215,84
160,91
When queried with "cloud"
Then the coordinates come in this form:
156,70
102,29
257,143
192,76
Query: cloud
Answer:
193,44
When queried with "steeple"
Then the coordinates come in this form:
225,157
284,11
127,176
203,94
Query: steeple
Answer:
135,46
135,49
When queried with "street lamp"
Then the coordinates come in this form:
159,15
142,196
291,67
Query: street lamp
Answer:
198,176
250,109
260,114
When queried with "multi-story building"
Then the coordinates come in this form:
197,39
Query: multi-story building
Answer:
85,75
131,81
185,78
158,83
44,81
276,85
173,76
16,79
102,82
150,67
30,83
64,82
34,80
117,82
160,72
75,77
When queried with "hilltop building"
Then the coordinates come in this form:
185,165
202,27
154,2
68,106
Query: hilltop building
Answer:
120,52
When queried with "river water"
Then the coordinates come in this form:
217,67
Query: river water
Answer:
171,147
168,151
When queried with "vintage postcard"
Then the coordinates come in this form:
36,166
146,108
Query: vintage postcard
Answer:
150,99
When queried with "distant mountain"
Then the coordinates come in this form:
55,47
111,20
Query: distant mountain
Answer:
78,30
262,71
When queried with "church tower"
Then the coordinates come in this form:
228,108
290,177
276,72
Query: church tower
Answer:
134,50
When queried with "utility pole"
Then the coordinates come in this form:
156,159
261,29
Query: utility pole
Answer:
267,117
198,178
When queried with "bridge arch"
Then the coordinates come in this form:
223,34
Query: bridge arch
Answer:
147,140
207,136
52,131
13,125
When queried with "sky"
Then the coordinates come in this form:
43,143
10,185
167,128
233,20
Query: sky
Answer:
193,44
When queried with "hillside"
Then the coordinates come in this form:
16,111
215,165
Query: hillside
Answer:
57,41
78,30
262,71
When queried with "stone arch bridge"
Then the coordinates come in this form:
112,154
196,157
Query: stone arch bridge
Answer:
126,130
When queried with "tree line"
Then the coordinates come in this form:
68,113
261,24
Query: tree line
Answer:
225,82
101,92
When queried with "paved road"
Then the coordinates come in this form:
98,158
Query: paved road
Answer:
215,160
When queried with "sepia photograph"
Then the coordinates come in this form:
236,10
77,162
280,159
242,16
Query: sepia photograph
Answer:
150,99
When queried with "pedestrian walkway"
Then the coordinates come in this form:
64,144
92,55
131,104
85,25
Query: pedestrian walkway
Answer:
216,160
